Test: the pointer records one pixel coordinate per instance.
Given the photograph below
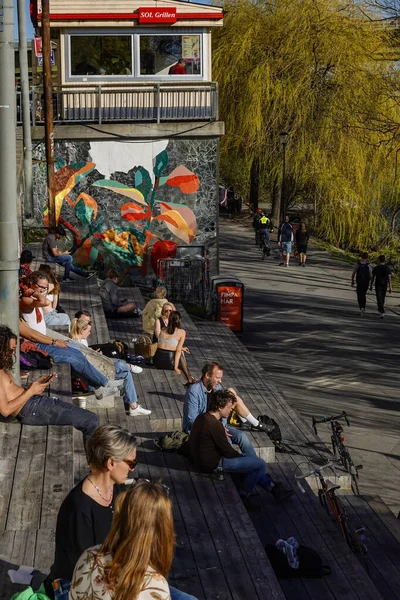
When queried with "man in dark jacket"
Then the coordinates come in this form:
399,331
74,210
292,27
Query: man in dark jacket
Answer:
362,274
382,277
285,240
209,448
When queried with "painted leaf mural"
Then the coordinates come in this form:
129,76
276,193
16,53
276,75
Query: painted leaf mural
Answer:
181,177
179,219
122,189
137,224
134,212
160,162
86,208
143,181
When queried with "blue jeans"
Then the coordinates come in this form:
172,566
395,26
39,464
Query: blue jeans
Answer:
42,410
122,371
56,318
66,261
240,439
252,467
178,595
77,360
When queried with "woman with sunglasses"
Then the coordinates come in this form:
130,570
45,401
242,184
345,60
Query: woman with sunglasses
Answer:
85,516
80,331
162,321
134,561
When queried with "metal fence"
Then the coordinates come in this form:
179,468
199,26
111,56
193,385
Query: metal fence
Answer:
155,102
184,279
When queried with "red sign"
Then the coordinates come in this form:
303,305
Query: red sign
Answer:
157,15
38,47
230,299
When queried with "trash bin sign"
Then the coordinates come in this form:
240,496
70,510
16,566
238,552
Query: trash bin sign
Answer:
229,300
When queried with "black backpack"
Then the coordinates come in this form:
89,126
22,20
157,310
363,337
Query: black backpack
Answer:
274,432
310,563
363,274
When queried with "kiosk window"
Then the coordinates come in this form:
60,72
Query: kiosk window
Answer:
170,55
101,55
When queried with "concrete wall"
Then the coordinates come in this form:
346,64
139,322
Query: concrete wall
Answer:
127,203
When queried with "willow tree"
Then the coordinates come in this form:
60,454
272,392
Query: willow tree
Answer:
313,68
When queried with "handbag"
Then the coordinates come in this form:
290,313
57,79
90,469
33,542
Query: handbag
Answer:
145,347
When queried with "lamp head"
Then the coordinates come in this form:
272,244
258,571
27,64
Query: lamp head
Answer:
284,137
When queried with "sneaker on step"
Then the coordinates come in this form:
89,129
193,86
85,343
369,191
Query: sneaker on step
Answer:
116,383
259,427
362,313
139,411
280,493
135,369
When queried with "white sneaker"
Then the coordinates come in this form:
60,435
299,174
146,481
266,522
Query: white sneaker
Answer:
136,369
117,383
362,313
139,410
102,392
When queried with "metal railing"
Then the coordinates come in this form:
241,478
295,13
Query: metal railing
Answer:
156,102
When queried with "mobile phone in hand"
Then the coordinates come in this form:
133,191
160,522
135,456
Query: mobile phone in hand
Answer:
46,378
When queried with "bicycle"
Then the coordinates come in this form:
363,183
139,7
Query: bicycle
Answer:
354,538
264,245
339,449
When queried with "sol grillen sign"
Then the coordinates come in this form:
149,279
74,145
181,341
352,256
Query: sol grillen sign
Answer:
157,15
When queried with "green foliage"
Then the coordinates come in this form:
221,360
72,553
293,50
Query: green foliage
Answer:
316,69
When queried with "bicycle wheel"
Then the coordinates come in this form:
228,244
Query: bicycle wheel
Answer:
354,541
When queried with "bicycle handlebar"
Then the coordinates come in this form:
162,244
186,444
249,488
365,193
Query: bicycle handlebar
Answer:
315,471
343,415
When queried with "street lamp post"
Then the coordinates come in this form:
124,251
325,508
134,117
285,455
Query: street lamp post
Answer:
284,140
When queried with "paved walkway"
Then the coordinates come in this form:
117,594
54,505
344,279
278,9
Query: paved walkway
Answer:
303,325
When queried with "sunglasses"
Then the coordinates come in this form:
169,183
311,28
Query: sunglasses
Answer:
41,287
165,487
131,463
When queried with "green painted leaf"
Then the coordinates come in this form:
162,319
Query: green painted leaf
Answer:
162,181
84,213
160,162
143,181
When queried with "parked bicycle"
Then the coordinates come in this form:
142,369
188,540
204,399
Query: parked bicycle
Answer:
265,246
354,537
338,447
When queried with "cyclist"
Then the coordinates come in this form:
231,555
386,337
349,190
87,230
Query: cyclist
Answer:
256,222
265,227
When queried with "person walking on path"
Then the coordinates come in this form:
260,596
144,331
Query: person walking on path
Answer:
302,237
362,274
285,240
382,277
52,254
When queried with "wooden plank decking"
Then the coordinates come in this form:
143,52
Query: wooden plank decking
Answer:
219,551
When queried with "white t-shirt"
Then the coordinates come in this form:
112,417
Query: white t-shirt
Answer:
32,321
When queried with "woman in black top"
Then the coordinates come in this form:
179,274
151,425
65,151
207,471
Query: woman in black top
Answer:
85,516
302,238
162,322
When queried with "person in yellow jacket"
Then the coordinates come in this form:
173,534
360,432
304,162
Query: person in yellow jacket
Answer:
152,310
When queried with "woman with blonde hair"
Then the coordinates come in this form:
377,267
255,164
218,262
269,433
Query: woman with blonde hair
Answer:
134,561
85,515
52,315
152,310
162,320
80,331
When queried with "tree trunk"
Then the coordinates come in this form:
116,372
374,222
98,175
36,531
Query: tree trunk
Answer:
276,203
254,184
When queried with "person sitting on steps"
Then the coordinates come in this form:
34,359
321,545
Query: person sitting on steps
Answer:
114,306
169,354
29,406
196,398
208,448
52,254
80,331
162,321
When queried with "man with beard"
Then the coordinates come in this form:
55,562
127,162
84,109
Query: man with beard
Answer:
196,402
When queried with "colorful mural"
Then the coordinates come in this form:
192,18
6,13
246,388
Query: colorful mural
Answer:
131,219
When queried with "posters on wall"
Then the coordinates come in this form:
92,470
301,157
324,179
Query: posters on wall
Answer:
191,48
